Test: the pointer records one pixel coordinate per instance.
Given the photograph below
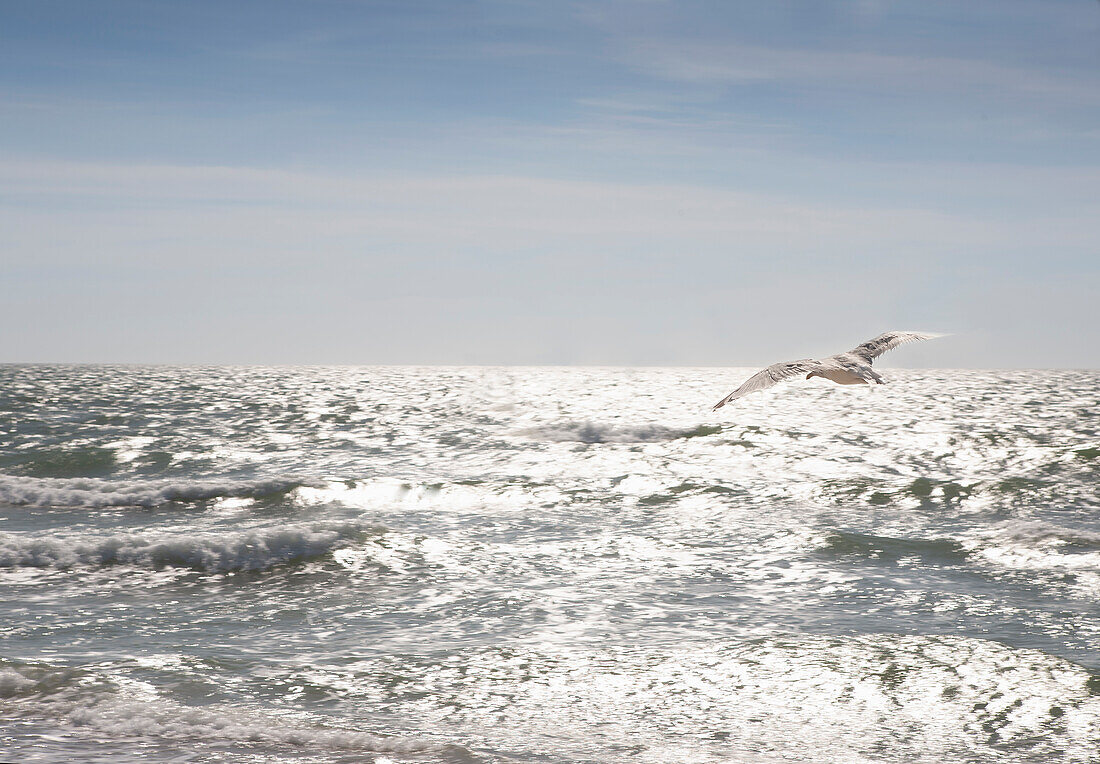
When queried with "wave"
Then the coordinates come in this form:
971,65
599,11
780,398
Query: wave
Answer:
69,701
91,461
475,497
92,493
873,697
1071,557
1035,546
892,549
999,490
12,683
133,719
25,680
592,432
256,549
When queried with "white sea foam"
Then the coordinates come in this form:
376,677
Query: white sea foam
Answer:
452,497
254,549
122,708
13,683
595,432
852,699
89,492
123,718
1040,547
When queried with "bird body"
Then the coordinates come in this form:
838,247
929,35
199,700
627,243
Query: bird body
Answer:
840,376
850,368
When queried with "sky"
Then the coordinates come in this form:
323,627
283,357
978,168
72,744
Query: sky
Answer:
530,182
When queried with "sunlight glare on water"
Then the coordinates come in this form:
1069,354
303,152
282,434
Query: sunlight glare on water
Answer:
564,564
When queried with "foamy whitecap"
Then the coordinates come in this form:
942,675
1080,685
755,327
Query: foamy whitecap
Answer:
13,683
92,493
255,549
806,698
125,709
596,432
382,493
1041,548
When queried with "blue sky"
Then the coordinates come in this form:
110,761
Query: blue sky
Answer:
637,182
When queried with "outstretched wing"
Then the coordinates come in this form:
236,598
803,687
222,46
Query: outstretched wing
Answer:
765,378
872,349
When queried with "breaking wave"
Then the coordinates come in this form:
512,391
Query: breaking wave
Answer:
1000,489
88,492
74,702
1036,546
257,549
592,432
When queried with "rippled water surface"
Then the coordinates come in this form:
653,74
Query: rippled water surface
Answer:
547,565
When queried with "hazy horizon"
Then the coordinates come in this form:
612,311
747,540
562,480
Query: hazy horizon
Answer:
735,366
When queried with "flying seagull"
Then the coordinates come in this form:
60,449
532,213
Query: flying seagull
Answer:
851,368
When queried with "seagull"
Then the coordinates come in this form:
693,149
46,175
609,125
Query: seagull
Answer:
851,368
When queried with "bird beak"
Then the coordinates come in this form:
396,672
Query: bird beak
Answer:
809,375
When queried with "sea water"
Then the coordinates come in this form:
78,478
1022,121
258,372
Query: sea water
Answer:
255,564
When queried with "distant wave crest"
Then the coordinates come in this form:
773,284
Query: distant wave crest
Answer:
89,492
76,699
594,432
256,549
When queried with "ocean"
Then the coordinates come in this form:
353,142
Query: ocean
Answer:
542,565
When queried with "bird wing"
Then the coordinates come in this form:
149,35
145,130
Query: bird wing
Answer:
872,349
765,378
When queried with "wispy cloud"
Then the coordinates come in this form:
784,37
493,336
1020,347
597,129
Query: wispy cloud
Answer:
598,174
700,62
280,209
203,248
